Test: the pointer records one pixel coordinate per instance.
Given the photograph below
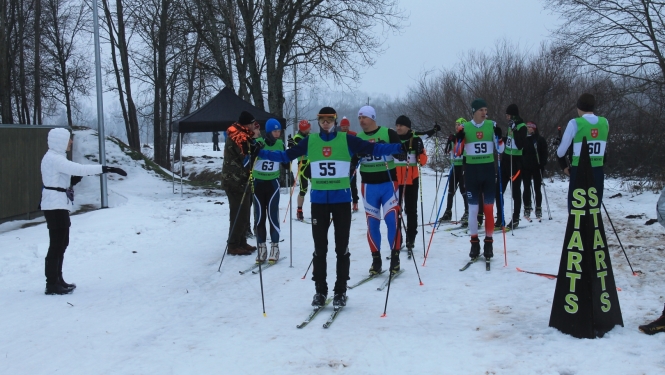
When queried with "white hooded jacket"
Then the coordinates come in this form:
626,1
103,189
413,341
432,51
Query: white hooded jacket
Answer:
57,171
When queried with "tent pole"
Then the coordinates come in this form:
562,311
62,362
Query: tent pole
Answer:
173,165
180,140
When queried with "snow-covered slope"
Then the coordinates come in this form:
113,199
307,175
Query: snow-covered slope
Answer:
150,300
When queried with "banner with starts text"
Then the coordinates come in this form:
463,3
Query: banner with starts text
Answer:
585,304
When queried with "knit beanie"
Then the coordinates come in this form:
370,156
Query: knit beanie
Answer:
586,103
367,111
344,123
245,118
403,120
273,124
478,104
304,125
460,120
327,111
512,110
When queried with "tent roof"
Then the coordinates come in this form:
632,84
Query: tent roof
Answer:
219,113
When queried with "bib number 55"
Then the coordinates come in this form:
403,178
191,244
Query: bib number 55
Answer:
327,169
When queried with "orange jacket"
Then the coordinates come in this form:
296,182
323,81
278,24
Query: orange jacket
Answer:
406,175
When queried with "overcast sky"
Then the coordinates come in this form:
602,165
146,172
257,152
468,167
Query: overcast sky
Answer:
438,32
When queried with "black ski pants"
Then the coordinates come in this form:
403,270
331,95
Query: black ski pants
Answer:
341,219
529,175
515,182
58,223
455,180
408,199
266,206
238,205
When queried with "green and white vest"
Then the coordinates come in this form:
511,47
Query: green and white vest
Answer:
266,169
330,162
376,163
596,137
479,143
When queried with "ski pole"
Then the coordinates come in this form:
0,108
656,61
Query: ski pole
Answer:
235,221
290,208
422,212
436,197
436,223
263,303
635,273
385,307
512,199
310,265
455,181
293,187
503,220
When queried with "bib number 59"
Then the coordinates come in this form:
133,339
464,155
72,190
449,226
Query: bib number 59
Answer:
480,148
327,169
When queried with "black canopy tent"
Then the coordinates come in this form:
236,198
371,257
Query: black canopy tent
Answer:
218,114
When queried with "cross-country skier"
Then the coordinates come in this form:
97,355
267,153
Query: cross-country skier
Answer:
511,162
457,179
534,159
329,155
477,136
408,177
345,126
266,194
58,175
596,130
304,171
379,190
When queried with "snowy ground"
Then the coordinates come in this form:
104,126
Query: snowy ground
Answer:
150,300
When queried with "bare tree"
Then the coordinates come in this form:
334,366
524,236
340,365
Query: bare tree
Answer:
621,37
66,63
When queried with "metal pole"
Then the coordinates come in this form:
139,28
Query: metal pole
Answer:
100,106
293,132
181,167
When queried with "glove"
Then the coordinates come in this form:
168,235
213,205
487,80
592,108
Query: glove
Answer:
114,170
381,141
400,157
75,180
497,131
419,148
437,127
451,138
255,147
291,142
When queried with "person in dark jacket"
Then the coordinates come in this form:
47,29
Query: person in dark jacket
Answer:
511,165
215,141
329,154
58,177
236,169
534,159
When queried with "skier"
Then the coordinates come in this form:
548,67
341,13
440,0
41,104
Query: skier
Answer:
408,179
477,136
266,193
457,179
657,325
379,190
58,177
239,147
534,159
329,154
511,160
345,126
304,171
596,130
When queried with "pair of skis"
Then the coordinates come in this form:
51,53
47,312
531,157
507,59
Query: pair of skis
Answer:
473,260
316,311
263,267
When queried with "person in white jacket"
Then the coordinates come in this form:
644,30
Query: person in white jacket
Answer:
58,173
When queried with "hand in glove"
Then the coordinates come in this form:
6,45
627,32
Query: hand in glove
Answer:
497,131
291,142
461,135
400,157
255,147
420,148
114,170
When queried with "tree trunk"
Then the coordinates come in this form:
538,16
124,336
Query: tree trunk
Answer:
5,86
37,111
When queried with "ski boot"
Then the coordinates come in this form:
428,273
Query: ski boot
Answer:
355,207
654,327
339,300
409,248
475,247
497,223
299,214
447,216
488,248
375,268
319,300
527,212
394,261
262,254
514,223
465,219
274,253
539,213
